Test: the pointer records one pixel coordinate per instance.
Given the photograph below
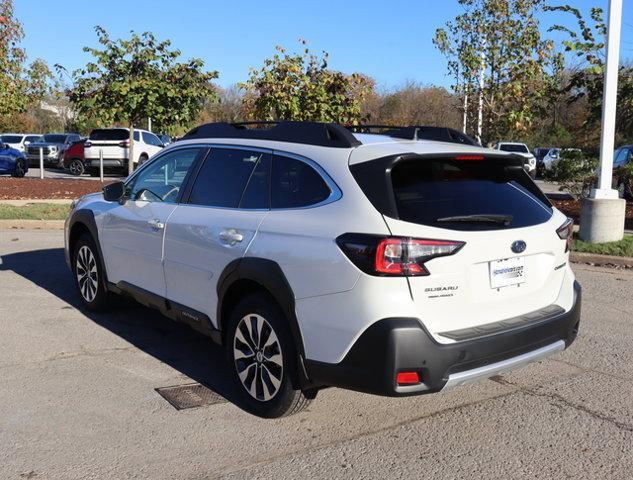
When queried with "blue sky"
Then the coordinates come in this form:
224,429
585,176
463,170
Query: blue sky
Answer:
391,41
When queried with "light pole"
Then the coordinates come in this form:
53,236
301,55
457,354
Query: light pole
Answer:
602,216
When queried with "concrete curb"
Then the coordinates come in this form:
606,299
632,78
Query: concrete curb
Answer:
32,224
22,203
601,260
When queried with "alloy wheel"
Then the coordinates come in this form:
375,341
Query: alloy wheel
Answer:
76,168
258,357
87,277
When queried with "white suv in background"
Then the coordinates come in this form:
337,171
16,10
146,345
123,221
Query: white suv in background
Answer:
19,141
115,143
520,149
321,257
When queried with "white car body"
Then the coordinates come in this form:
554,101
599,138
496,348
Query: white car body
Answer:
181,252
520,149
116,151
19,141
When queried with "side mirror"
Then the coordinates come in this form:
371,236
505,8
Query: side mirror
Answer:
114,192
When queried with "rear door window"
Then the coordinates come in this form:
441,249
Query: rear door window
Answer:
295,184
151,139
443,193
223,177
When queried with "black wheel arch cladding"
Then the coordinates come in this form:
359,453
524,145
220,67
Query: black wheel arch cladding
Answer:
268,275
84,220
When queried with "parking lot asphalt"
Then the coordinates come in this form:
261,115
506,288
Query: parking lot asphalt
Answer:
78,399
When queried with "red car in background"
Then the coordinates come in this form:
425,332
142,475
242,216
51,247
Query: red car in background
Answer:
74,159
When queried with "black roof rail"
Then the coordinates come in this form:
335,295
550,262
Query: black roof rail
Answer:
310,133
418,132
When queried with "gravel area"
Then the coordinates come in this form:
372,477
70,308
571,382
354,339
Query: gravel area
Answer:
34,188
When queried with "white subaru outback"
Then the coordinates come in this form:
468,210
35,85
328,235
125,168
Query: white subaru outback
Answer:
382,263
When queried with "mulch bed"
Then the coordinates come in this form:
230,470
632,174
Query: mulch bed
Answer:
571,208
57,188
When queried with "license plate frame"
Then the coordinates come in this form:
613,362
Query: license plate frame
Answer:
508,272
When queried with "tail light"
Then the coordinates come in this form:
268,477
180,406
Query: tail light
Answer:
124,144
394,256
566,232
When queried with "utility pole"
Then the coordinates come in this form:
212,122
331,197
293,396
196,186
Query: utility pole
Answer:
482,84
602,216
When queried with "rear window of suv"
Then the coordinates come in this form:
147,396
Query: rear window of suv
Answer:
443,193
514,148
117,134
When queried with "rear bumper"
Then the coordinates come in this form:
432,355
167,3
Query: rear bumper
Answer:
403,344
107,162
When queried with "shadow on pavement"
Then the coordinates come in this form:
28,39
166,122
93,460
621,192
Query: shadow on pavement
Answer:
175,344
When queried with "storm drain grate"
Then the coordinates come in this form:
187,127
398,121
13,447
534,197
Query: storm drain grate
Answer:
192,395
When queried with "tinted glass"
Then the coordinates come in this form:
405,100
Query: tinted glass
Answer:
11,138
54,138
162,178
257,193
621,157
151,139
296,184
514,148
428,191
110,134
223,177
32,138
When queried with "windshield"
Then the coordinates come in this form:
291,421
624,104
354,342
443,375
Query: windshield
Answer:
513,147
54,138
11,138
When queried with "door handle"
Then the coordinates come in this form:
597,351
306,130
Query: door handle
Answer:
156,224
231,236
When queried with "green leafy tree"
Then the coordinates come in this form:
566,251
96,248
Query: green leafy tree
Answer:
588,42
20,86
131,80
499,43
300,86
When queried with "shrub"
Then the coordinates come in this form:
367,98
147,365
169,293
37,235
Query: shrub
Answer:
575,172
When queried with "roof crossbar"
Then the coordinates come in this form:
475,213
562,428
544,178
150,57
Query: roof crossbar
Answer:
309,133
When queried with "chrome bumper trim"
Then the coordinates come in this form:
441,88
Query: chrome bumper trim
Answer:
487,371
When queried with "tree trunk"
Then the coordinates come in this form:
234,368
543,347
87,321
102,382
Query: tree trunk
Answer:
130,162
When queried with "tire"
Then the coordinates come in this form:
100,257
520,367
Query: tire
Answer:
141,160
262,374
20,168
76,167
89,278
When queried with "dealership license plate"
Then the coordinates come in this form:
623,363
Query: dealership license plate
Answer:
505,273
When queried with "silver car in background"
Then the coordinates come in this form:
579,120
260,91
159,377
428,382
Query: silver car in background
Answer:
53,146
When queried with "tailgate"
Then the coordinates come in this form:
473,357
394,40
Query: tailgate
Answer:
512,259
485,281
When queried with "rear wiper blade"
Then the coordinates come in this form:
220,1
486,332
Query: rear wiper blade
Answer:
498,219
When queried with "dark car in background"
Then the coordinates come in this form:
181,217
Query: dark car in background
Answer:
12,161
53,146
622,181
